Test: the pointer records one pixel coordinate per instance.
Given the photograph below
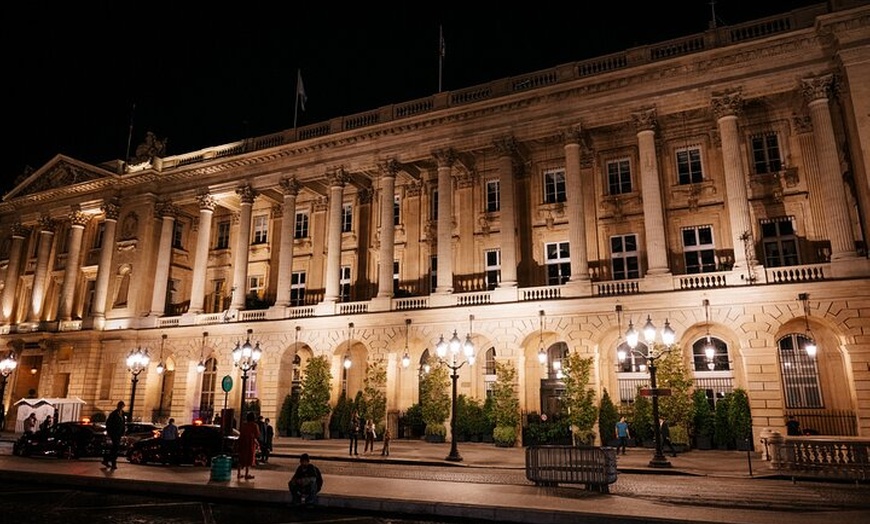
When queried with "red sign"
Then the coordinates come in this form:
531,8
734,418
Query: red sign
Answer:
657,392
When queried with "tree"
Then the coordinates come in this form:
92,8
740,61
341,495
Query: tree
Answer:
740,418
374,392
434,400
723,435
579,398
672,374
288,419
608,416
314,399
641,419
506,404
341,415
703,421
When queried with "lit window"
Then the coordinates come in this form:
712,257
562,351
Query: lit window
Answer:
297,288
344,284
492,267
493,196
346,218
699,252
625,260
554,186
301,229
800,373
261,229
558,263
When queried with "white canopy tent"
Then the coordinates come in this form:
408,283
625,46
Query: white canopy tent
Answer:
66,409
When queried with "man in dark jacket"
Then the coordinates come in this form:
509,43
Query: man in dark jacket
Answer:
306,482
116,426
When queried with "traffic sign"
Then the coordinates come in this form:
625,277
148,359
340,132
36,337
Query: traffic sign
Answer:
657,392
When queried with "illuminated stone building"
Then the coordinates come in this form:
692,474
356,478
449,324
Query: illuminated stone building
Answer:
719,181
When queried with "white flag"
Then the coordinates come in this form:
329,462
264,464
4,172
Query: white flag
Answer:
300,89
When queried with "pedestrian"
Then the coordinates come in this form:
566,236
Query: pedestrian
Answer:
262,425
665,433
30,424
266,441
353,432
306,482
249,435
169,441
46,424
792,427
622,435
116,426
388,435
371,435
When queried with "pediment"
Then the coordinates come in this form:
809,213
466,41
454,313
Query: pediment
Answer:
61,172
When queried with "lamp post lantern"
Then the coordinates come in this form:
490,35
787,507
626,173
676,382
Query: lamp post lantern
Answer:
442,349
653,354
137,361
245,357
7,366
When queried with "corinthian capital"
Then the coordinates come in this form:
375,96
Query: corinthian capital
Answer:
644,120
111,209
206,201
78,218
246,193
337,178
727,104
390,168
290,186
445,157
47,224
817,88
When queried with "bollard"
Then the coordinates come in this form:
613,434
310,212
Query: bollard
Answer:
221,468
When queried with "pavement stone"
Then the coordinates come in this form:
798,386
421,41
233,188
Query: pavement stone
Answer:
489,485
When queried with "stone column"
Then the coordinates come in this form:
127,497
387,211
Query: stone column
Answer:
243,247
19,233
726,107
576,208
651,191
444,281
207,204
167,212
337,181
816,92
506,151
387,249
78,221
47,226
111,210
291,188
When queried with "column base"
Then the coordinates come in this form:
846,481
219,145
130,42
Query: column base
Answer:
577,288
380,304
505,294
850,267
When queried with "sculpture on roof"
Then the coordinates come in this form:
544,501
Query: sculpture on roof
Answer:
151,147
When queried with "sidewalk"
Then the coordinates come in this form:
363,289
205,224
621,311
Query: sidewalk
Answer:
721,478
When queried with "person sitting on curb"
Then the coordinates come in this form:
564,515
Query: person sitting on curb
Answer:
306,482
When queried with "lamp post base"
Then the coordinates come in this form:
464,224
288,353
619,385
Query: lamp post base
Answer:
453,457
659,462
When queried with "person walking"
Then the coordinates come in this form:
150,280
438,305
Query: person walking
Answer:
665,433
249,435
266,441
261,423
116,426
306,482
622,435
169,441
371,435
30,424
353,432
388,436
792,427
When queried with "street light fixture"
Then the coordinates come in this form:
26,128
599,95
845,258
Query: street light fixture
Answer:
245,357
654,352
406,358
200,366
442,349
542,354
810,345
347,362
137,361
7,366
161,367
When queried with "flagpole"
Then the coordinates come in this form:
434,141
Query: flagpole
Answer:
130,133
440,55
296,105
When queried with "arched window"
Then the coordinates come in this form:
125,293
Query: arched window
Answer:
720,360
555,354
489,371
297,370
209,384
422,369
800,373
632,361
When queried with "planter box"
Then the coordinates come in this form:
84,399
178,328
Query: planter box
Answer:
435,439
311,436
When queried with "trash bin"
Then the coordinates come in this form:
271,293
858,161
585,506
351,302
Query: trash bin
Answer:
221,468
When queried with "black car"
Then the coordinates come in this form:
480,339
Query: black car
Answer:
197,444
136,431
66,440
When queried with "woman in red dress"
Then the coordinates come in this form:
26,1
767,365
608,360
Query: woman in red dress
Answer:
249,434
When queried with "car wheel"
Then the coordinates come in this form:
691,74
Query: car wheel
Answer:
68,452
136,457
201,459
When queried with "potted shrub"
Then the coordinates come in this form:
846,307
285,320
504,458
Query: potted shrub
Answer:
435,433
340,419
314,398
579,397
312,430
722,434
435,402
641,420
504,436
740,419
703,421
608,416
506,405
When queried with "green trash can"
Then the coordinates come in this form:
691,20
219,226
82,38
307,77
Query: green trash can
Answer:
221,468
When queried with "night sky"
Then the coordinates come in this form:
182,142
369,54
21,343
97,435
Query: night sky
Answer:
210,75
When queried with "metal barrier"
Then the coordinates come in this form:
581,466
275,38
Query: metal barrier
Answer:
553,465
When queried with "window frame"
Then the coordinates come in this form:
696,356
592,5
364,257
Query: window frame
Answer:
618,173
628,257
554,186
260,229
560,262
689,170
704,254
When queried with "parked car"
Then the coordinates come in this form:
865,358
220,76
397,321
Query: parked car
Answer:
66,440
197,444
136,431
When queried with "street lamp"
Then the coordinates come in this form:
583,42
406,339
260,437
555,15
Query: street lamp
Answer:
406,358
653,353
245,357
7,366
442,349
137,361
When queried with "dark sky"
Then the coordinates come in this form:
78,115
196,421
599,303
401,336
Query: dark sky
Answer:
208,75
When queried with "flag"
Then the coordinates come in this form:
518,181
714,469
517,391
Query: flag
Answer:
300,89
441,47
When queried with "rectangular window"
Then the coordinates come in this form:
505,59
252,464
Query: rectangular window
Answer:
297,288
492,267
219,301
395,278
619,176
625,259
689,169
433,211
301,229
800,373
256,286
223,235
98,235
780,242
765,154
558,263
347,218
493,196
344,284
178,235
554,186
397,209
433,273
698,249
261,229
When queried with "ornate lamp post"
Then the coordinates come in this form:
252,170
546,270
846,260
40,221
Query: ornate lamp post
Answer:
7,366
137,361
452,347
245,357
653,353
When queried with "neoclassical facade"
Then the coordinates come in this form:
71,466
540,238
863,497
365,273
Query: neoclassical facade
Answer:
719,182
